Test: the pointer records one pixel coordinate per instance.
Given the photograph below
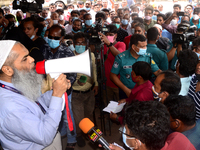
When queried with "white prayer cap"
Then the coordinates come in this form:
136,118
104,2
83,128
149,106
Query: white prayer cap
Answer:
158,26
5,48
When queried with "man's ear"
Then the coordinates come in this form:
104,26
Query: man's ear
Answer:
7,70
133,46
164,94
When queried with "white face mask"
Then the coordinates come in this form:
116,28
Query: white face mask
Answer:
61,17
55,21
173,22
195,17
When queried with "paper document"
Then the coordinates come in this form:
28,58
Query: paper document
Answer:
114,107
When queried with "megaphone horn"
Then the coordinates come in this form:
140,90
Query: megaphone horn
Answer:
76,64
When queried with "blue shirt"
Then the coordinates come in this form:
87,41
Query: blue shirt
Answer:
123,66
194,135
166,34
23,125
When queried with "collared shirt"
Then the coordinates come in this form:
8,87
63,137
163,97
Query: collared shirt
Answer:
123,66
171,28
150,25
185,83
159,56
166,34
23,124
62,52
121,34
90,80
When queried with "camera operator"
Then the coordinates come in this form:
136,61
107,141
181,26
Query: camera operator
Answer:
87,19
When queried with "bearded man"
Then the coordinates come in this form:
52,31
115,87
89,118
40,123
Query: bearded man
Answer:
28,121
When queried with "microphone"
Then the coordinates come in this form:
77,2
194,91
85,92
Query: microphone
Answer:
95,135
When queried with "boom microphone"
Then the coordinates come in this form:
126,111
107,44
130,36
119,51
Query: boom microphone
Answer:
95,135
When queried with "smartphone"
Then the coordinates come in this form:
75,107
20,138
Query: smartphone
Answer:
181,13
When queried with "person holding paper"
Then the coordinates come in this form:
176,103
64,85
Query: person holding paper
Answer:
142,91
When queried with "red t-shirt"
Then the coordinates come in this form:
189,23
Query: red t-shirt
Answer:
110,60
127,41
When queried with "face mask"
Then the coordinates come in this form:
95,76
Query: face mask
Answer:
72,47
154,17
74,18
147,17
88,22
173,22
87,9
124,139
198,55
155,95
111,38
124,21
141,51
70,10
79,48
32,37
61,17
133,30
75,31
55,21
53,43
46,39
117,25
195,17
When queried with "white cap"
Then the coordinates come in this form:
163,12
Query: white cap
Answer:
5,48
158,26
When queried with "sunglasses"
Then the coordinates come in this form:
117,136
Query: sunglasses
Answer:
54,37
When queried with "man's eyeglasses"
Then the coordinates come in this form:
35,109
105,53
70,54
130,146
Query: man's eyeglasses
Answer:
54,37
121,131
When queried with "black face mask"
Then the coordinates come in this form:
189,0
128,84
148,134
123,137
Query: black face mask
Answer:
19,18
198,77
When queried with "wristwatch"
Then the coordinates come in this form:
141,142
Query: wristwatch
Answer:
111,44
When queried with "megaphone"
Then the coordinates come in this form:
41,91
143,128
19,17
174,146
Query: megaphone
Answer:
76,64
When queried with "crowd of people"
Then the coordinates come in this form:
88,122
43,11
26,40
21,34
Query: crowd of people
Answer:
152,63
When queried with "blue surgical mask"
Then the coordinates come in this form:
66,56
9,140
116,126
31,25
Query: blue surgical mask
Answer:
74,18
32,37
156,95
53,43
80,48
87,9
72,47
88,22
124,139
70,10
75,31
154,17
198,55
117,25
141,51
46,39
124,21
133,30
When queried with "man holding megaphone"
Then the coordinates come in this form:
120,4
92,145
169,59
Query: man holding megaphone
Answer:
84,88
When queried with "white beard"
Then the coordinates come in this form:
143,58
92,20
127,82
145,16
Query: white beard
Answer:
29,83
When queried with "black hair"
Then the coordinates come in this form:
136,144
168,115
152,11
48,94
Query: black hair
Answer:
9,16
105,10
120,9
60,11
148,121
185,21
84,16
45,9
134,14
83,10
196,10
135,38
156,10
126,8
138,19
185,16
79,20
196,41
152,34
162,15
80,35
58,26
113,28
171,82
149,8
80,2
141,25
69,36
142,69
182,108
75,12
1,11
188,61
133,7
177,5
168,14
52,4
100,14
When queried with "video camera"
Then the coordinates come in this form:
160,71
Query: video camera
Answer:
187,35
33,7
92,32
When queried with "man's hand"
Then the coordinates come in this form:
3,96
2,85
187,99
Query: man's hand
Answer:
104,39
60,86
113,116
122,101
50,22
70,20
95,89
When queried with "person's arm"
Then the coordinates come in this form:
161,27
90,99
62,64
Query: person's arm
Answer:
171,53
157,72
114,78
112,49
170,18
94,69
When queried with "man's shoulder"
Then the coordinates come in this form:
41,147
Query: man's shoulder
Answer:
124,54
